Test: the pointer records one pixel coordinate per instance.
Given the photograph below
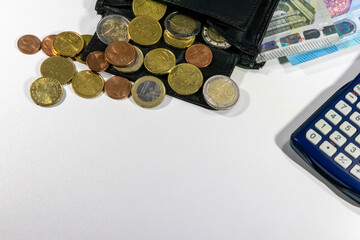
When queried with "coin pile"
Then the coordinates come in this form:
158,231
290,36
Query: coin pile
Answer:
116,31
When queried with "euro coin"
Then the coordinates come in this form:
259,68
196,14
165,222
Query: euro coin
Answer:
113,28
59,68
221,92
181,25
120,54
199,55
96,61
68,44
29,44
160,61
87,39
145,30
175,42
47,45
46,92
118,88
148,92
88,84
149,8
185,79
134,67
214,39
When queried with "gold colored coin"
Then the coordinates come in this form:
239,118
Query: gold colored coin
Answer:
160,61
149,8
59,68
148,92
68,44
145,30
136,65
46,91
185,79
215,36
182,24
88,84
181,43
87,39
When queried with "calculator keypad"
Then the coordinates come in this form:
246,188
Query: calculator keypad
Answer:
348,129
328,149
323,126
333,117
338,138
343,160
343,107
352,98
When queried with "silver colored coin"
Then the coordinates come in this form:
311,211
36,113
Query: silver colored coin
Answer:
221,92
113,28
213,38
181,25
148,92
136,65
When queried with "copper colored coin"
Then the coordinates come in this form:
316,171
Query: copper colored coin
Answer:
29,44
96,61
118,88
120,54
199,55
47,45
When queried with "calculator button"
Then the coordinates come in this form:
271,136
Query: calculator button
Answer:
353,150
357,89
348,129
355,171
323,126
343,107
313,137
338,139
357,139
358,105
352,98
328,149
355,117
333,117
343,160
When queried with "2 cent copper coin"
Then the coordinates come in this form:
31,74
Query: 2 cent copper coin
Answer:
120,54
118,88
47,45
29,44
199,55
96,61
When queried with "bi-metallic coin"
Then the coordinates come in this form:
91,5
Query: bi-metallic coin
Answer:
149,8
214,39
145,30
148,92
181,25
185,79
68,44
113,28
160,61
59,68
88,84
46,92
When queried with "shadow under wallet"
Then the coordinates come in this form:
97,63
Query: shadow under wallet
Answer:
242,23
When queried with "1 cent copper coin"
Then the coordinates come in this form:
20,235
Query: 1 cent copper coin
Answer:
118,88
29,44
120,54
199,55
96,61
47,45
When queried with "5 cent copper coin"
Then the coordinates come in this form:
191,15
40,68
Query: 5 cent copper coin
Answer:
120,54
29,44
47,45
96,61
118,88
199,55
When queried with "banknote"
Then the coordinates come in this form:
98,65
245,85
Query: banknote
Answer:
346,15
298,26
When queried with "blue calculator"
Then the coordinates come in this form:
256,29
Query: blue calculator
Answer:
330,139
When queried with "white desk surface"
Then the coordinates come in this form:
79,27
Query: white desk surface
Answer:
103,169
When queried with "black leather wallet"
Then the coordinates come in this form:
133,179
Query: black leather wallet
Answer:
242,22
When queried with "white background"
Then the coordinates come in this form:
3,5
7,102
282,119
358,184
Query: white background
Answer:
105,169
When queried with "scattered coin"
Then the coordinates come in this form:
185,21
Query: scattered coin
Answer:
113,28
47,45
148,92
46,91
181,43
68,44
120,54
139,61
199,55
185,79
182,26
87,38
88,84
145,30
221,92
214,39
160,61
149,8
96,61
59,68
29,44
118,88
